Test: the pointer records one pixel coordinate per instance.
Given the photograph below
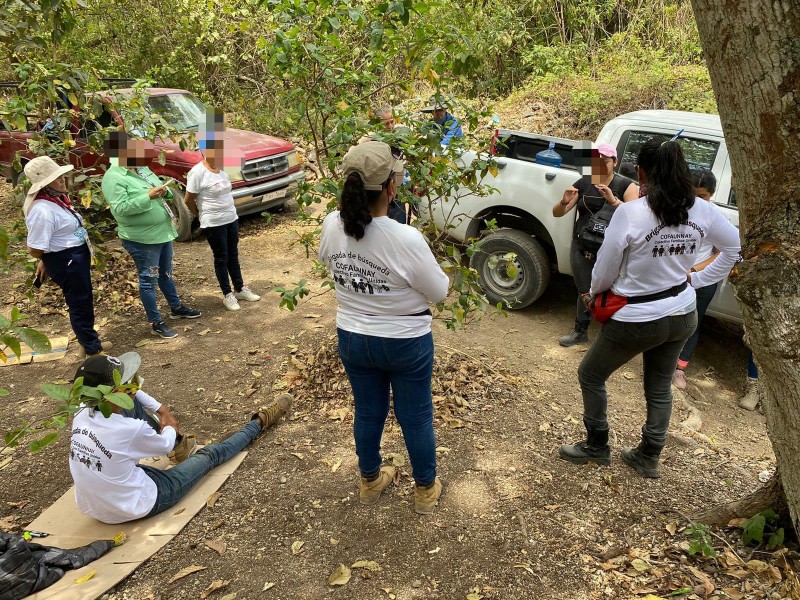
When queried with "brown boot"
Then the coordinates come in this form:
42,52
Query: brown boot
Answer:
270,413
426,498
370,491
185,446
751,399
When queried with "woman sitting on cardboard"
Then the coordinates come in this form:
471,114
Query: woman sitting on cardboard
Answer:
110,484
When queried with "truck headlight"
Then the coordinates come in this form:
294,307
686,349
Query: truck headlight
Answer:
293,158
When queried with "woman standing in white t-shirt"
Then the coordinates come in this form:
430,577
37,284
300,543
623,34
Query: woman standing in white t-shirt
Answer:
646,256
385,275
58,239
208,191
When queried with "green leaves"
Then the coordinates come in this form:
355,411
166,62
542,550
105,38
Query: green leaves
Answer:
763,524
120,399
57,392
38,341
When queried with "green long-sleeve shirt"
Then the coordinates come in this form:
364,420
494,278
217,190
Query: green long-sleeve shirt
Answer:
139,218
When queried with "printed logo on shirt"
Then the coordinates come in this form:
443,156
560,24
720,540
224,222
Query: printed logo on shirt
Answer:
367,277
674,244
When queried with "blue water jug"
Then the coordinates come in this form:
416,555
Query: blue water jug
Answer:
549,157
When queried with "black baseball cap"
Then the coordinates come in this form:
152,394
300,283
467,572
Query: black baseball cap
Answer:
99,369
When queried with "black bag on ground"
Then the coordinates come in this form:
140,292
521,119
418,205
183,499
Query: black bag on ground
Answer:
591,237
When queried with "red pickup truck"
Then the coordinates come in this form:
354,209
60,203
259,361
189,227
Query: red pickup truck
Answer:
266,176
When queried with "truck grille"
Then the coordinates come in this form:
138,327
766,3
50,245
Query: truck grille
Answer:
261,168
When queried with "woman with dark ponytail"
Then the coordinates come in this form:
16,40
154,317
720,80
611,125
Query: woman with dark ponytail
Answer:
385,275
649,248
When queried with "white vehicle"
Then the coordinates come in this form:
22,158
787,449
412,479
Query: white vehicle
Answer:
536,242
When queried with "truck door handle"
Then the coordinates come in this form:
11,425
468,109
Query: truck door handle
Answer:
549,176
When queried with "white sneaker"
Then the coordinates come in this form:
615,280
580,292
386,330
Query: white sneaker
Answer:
231,303
248,295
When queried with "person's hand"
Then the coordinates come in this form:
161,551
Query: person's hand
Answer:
607,194
166,418
570,195
586,299
41,272
157,192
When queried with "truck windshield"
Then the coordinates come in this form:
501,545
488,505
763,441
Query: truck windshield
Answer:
699,154
182,111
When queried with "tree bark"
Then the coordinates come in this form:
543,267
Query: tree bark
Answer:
769,496
752,48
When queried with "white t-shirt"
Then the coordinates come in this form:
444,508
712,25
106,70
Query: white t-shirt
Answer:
103,459
384,280
639,256
52,228
705,251
214,199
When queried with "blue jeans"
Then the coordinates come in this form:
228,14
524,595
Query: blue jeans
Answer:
224,242
153,265
70,269
704,297
173,484
373,365
752,369
659,342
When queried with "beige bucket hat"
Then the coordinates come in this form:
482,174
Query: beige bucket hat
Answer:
40,171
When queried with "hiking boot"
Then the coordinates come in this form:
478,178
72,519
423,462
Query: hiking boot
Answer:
426,498
594,449
270,413
104,345
580,335
643,459
185,446
247,295
679,379
230,302
370,491
751,398
184,312
164,330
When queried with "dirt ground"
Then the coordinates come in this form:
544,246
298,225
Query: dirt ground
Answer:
514,522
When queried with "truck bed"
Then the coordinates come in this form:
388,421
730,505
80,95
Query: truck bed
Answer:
523,145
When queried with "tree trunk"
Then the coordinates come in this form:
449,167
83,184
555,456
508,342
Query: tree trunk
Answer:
752,48
769,496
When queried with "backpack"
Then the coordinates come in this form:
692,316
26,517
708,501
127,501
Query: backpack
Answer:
591,236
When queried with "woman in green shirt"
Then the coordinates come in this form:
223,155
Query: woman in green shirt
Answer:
137,199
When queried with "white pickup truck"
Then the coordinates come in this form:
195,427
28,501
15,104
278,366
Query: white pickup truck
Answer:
535,242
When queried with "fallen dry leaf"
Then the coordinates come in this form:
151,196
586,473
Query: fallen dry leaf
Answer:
335,466
231,596
340,576
297,455
205,331
86,577
297,547
268,586
671,528
215,585
187,571
218,545
397,460
435,550
141,343
212,499
640,565
370,565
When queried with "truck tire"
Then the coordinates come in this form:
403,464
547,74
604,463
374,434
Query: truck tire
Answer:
529,276
188,226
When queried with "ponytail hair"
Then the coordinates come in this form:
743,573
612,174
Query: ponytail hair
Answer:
670,193
703,178
355,202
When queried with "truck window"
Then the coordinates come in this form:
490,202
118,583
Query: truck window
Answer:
732,199
699,154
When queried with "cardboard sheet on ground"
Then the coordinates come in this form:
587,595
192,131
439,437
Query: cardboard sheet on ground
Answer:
58,351
68,528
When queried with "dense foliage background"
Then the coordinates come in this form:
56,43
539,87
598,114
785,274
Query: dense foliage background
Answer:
577,62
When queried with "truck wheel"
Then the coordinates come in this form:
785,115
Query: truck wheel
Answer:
188,226
512,267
